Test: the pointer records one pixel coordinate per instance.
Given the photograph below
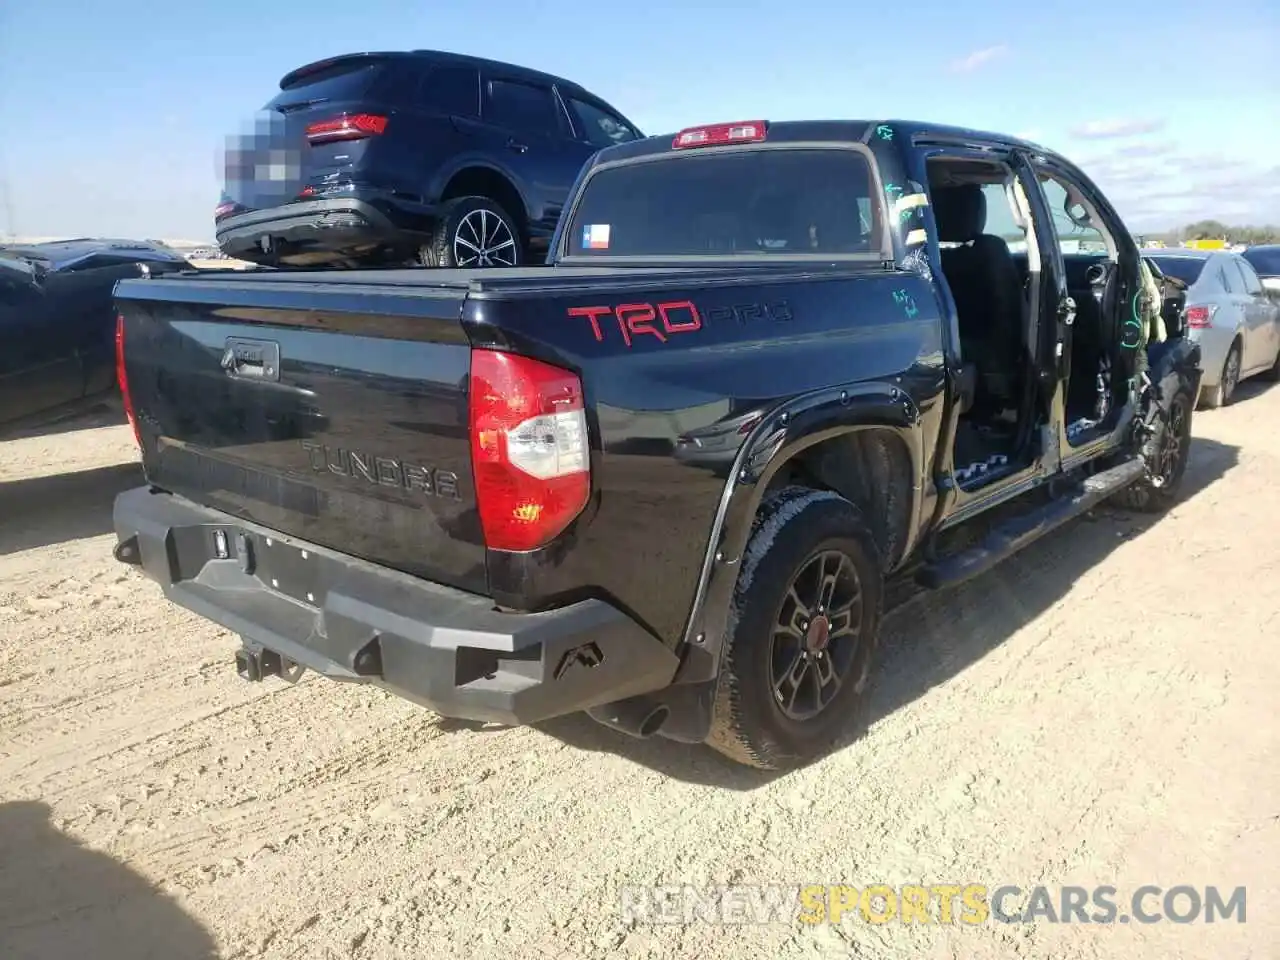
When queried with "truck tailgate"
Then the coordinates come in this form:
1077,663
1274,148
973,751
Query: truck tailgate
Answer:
345,426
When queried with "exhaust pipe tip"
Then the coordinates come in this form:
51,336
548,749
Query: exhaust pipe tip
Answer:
652,723
639,717
127,551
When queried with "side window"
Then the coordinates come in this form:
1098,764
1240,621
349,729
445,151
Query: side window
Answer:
1252,285
525,107
451,90
1072,221
1230,277
395,83
599,127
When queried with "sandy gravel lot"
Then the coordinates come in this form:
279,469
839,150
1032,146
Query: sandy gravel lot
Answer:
1103,710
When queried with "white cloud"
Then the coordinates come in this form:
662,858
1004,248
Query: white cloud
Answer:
1147,149
1109,129
979,58
1178,189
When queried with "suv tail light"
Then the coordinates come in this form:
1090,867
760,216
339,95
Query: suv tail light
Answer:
356,126
122,379
749,131
1200,317
528,449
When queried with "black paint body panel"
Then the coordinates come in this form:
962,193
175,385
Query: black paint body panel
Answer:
382,371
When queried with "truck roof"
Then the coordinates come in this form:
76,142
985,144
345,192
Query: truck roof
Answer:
835,131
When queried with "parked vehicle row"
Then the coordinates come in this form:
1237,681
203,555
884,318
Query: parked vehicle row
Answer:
1229,312
57,321
421,156
1265,260
666,478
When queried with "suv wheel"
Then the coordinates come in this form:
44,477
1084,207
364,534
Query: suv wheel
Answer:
802,632
474,232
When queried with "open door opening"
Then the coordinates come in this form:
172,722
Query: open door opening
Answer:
1096,374
988,258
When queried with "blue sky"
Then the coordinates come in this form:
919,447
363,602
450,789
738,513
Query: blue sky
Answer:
113,114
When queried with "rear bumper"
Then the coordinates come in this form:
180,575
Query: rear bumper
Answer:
329,223
352,620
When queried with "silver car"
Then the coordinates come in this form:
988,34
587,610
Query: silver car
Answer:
1228,313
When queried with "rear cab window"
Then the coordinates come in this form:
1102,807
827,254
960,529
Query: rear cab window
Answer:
766,202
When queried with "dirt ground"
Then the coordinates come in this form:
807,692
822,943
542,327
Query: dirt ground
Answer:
1101,710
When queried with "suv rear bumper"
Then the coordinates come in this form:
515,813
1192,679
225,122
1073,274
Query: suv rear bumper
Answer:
327,224
352,620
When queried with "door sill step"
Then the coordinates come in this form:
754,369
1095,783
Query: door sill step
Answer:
1006,540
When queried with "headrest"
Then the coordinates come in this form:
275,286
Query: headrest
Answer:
960,212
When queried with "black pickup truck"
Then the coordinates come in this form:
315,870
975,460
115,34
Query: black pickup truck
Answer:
664,479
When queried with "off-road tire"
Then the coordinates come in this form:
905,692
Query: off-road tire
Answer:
1144,495
793,526
440,251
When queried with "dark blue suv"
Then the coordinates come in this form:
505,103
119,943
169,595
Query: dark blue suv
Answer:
423,156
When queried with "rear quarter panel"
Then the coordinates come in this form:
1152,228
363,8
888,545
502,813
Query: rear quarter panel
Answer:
672,404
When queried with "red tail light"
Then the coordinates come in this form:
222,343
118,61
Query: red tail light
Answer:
1199,317
528,449
122,378
356,126
748,131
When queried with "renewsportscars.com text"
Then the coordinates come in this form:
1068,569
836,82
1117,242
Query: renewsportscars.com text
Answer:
942,903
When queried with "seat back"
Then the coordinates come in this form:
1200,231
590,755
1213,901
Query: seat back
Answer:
983,277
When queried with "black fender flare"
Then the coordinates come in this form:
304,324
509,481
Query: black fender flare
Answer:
1173,364
785,431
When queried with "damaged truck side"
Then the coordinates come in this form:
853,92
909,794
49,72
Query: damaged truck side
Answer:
665,479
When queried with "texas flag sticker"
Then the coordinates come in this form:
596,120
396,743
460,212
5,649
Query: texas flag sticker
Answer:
595,236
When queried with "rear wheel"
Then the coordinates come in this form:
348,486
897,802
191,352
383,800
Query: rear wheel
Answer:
802,632
1166,453
474,232
1230,376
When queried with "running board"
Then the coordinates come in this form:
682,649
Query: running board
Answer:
1007,540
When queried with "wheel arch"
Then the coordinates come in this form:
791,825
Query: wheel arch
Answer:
863,442
477,179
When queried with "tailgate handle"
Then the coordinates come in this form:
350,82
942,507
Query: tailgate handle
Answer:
251,359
